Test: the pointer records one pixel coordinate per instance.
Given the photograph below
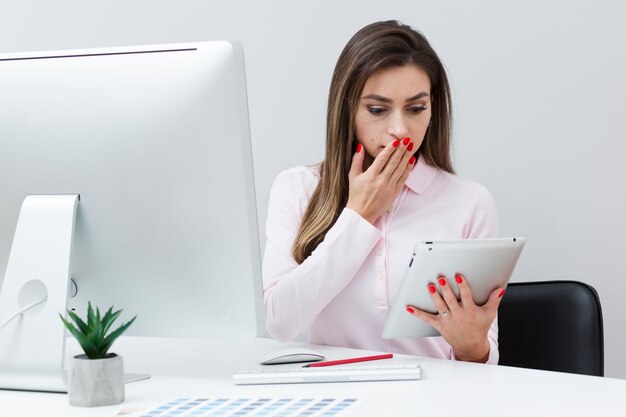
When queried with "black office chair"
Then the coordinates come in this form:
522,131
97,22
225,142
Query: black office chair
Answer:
552,325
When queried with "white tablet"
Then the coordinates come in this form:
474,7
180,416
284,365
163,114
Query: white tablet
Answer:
486,264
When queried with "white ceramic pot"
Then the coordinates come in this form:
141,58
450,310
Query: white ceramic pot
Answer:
96,382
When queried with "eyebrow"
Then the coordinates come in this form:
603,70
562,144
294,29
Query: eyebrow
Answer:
387,100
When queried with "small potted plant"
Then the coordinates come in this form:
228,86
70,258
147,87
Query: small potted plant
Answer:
96,377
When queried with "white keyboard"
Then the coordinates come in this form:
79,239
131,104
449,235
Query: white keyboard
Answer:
272,375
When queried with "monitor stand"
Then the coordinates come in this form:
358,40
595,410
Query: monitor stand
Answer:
34,292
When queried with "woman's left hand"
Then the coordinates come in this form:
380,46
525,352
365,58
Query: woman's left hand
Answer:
464,325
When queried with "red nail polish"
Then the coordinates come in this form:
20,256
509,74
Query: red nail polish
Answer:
410,310
358,148
412,160
396,143
501,293
458,278
442,282
406,141
432,288
410,148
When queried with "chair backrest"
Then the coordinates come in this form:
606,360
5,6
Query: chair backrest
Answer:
552,325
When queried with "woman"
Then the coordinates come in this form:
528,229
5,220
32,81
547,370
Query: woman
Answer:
340,234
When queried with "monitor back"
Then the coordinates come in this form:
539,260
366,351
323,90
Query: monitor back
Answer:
155,139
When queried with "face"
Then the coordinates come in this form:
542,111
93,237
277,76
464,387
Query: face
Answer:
395,104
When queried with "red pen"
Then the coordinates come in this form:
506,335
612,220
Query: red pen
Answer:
350,360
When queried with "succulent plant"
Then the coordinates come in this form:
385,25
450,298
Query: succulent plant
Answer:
92,335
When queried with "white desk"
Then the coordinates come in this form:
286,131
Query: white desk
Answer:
182,368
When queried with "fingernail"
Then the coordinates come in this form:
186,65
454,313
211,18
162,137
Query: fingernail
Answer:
406,141
432,288
410,310
358,148
442,282
459,278
412,160
501,293
396,143
410,148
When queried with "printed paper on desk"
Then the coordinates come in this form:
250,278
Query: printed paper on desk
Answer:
248,407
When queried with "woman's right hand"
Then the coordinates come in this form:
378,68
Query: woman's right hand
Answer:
373,192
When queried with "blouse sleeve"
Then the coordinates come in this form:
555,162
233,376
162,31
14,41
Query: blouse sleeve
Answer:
484,217
484,224
294,294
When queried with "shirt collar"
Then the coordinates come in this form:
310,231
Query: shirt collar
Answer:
421,176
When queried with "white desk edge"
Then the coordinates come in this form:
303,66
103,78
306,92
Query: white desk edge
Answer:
183,368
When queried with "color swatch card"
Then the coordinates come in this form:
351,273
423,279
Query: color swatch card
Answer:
250,407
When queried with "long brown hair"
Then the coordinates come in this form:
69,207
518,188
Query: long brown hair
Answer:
376,47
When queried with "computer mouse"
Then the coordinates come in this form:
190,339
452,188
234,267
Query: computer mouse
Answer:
290,355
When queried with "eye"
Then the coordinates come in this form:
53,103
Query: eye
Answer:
416,109
376,110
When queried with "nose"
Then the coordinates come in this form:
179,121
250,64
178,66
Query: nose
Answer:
397,126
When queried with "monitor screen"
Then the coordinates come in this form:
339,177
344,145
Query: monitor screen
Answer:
155,140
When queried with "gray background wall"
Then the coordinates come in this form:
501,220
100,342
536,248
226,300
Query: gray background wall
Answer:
539,92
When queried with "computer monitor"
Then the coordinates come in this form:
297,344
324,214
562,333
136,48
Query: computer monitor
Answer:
155,140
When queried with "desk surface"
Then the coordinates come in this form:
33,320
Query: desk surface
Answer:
182,368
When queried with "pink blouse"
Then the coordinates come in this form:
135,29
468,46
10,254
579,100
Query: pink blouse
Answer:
341,294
